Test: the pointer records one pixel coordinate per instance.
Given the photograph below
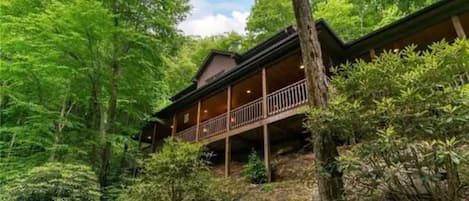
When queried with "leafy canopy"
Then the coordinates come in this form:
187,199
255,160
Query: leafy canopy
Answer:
78,78
54,181
349,18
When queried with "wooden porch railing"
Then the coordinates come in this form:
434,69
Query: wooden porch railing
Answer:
187,134
246,114
281,100
213,126
287,98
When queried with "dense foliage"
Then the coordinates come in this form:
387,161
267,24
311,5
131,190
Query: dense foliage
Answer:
349,18
177,172
79,78
409,111
54,181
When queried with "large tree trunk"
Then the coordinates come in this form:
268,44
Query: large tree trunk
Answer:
110,125
109,128
331,184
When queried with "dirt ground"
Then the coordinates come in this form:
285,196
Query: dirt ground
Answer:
292,180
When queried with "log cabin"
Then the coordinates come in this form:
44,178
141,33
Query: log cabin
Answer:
258,98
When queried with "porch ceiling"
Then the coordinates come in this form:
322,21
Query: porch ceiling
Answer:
246,91
284,73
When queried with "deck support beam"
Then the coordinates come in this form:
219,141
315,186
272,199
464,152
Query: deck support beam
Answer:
227,156
197,124
153,138
458,26
265,128
140,136
267,152
173,128
227,139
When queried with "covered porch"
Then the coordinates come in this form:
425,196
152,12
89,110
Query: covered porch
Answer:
277,88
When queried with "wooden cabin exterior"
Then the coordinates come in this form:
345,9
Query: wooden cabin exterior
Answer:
262,92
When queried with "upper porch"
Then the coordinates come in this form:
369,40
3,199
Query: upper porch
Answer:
275,92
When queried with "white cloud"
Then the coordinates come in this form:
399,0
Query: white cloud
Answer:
215,17
215,24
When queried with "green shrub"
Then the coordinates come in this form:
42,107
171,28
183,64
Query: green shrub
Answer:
53,181
254,170
409,109
177,172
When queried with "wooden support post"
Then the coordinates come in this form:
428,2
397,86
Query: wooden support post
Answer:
265,129
372,54
228,108
227,156
267,153
197,129
264,92
135,169
173,130
458,27
140,136
153,138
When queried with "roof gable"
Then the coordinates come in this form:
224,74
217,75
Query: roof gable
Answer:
216,63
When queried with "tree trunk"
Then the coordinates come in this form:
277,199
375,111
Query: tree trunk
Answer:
58,130
109,127
95,101
330,184
112,112
61,121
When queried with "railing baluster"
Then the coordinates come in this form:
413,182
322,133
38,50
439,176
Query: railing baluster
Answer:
287,98
213,126
247,113
187,134
281,100
295,93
